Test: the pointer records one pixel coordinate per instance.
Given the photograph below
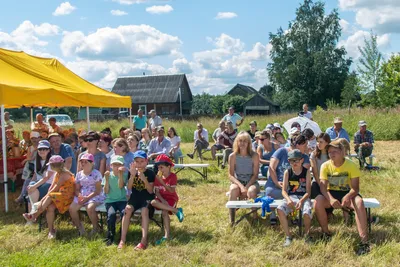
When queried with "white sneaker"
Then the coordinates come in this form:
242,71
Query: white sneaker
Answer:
288,241
51,235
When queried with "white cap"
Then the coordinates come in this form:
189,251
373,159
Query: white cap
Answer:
35,134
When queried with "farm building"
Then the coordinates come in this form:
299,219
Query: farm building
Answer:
256,105
159,92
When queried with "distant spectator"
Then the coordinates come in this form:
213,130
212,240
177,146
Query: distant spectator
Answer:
139,121
159,145
121,148
215,135
280,139
175,151
226,139
54,128
154,120
200,141
121,132
145,141
336,131
25,143
39,125
235,118
63,150
253,129
9,123
106,131
256,141
363,143
306,112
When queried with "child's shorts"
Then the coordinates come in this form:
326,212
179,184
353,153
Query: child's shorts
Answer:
137,204
306,209
171,202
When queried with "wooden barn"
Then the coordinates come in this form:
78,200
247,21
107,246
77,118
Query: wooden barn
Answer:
159,92
256,105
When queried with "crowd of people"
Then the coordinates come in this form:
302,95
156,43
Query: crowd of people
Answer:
67,170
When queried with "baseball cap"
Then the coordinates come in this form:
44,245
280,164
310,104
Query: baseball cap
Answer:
293,131
117,159
295,154
35,134
270,126
337,120
253,122
51,135
362,123
87,156
152,111
277,125
164,159
55,159
140,154
44,144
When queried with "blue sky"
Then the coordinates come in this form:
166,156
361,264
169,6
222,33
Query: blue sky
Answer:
216,43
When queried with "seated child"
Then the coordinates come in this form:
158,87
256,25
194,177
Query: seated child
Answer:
166,196
114,188
141,183
296,191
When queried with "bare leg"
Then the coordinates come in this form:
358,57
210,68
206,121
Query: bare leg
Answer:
213,152
167,222
234,193
252,194
34,197
50,216
284,222
321,203
361,218
44,203
91,211
162,206
145,225
125,222
74,213
307,224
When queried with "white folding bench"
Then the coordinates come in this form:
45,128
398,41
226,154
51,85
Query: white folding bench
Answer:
191,166
369,204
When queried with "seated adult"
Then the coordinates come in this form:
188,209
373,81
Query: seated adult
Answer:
133,142
279,164
363,143
54,128
200,141
226,139
93,140
63,150
12,144
336,131
340,186
265,150
253,129
175,151
121,148
145,141
158,145
312,141
25,143
39,125
317,158
280,139
106,147
243,171
215,135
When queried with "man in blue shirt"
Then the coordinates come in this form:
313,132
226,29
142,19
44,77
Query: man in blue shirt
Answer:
63,150
363,142
159,144
336,131
233,117
139,121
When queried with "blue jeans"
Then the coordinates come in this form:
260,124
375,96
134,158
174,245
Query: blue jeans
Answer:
275,193
112,209
176,155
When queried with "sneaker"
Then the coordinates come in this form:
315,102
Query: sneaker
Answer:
308,239
363,249
180,214
190,155
288,241
51,235
162,240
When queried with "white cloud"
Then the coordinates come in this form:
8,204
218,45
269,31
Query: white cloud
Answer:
159,9
64,9
181,65
357,40
344,24
131,2
130,42
226,15
118,13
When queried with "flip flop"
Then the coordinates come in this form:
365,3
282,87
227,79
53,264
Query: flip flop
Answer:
28,217
140,246
121,245
162,240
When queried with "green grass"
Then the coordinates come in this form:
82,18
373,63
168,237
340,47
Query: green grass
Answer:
205,238
384,123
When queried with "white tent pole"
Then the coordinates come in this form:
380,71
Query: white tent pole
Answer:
31,116
130,118
3,136
180,100
88,119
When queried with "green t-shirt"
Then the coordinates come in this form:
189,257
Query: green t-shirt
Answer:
115,193
140,123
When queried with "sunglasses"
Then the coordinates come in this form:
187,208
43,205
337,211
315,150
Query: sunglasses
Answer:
294,160
262,139
89,140
84,161
43,149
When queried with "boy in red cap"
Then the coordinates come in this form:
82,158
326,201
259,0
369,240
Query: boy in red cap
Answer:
166,196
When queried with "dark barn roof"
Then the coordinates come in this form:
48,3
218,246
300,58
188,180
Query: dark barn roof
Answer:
263,98
245,88
152,89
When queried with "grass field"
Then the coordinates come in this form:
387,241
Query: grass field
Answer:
205,238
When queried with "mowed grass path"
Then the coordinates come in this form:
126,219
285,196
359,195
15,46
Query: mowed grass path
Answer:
205,238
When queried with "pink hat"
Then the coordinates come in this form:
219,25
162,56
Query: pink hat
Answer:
55,159
88,157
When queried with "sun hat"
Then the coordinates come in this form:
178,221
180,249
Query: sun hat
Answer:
295,154
140,154
164,159
55,159
35,134
152,111
337,120
44,144
253,122
117,159
362,123
277,125
87,156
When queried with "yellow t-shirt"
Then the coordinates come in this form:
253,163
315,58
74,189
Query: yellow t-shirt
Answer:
339,177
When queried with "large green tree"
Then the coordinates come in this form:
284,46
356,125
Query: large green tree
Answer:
351,91
388,91
369,66
307,66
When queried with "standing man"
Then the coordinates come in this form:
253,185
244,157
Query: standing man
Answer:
154,120
9,122
158,145
63,150
233,117
39,125
363,143
336,131
307,113
139,121
200,141
54,128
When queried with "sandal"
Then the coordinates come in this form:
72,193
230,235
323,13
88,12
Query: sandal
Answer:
162,240
140,246
29,217
121,245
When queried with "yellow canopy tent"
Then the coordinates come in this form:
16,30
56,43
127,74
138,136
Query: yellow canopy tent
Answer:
30,81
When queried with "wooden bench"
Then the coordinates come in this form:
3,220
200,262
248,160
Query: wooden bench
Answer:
191,166
369,204
371,158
